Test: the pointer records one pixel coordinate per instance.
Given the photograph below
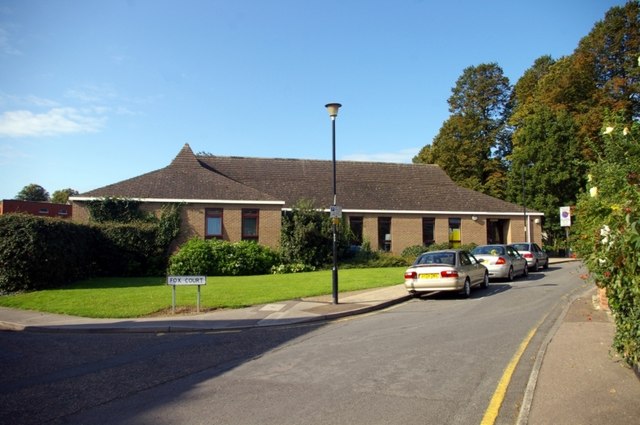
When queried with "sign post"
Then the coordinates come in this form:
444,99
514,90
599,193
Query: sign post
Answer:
174,281
565,221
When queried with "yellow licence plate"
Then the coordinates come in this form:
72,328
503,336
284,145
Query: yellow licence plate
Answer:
429,275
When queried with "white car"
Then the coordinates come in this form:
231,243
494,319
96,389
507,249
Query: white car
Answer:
535,256
447,270
502,261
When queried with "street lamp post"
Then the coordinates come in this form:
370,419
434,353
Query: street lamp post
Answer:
524,206
332,108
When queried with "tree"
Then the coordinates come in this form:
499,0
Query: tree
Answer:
472,142
62,196
33,192
547,150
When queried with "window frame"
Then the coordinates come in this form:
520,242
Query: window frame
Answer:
213,213
249,214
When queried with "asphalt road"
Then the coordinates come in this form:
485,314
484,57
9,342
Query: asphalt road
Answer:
437,359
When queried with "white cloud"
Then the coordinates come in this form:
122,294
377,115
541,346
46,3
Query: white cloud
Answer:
22,123
401,156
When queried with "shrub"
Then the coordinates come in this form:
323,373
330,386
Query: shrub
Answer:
607,232
220,258
39,252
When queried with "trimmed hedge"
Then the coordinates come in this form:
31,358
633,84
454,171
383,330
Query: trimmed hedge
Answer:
39,252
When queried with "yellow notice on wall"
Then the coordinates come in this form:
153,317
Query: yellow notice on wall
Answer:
454,238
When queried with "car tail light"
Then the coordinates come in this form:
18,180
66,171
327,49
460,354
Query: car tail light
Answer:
449,273
501,260
528,255
410,275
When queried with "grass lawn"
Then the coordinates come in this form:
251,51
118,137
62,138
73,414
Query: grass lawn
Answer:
136,297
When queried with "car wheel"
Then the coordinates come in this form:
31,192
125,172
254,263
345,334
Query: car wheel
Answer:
510,275
546,265
466,289
525,273
536,266
485,281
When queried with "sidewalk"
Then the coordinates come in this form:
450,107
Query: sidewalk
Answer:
581,380
576,379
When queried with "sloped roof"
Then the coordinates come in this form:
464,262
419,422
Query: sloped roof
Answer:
370,186
361,186
186,178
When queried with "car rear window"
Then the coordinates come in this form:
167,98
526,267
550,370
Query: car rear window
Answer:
437,258
489,250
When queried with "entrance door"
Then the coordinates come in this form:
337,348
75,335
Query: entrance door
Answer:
497,230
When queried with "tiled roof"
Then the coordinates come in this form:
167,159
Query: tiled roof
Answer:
185,178
370,186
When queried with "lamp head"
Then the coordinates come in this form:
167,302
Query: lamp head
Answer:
333,109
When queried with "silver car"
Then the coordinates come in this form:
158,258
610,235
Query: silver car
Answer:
502,261
535,256
447,270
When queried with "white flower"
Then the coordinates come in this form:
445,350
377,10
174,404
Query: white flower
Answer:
602,261
593,191
604,232
625,131
608,130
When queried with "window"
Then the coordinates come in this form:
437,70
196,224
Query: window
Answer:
63,211
428,226
464,259
384,233
213,223
43,211
355,223
250,224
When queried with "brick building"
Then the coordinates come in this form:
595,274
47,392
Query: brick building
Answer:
42,209
392,206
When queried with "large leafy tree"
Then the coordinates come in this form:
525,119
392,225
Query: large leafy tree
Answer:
470,144
62,196
33,192
546,154
558,108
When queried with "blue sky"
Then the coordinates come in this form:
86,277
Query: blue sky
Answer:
95,92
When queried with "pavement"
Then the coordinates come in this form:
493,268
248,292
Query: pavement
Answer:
576,378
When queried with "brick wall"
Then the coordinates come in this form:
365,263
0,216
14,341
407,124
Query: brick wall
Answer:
41,209
193,221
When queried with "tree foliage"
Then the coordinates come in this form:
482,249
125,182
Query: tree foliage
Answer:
33,192
62,196
467,143
307,237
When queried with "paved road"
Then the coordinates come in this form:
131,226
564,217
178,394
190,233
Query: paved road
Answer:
431,360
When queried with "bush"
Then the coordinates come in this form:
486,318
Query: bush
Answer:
220,258
130,249
38,252
607,232
41,252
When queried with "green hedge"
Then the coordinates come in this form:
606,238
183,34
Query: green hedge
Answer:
39,252
220,258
